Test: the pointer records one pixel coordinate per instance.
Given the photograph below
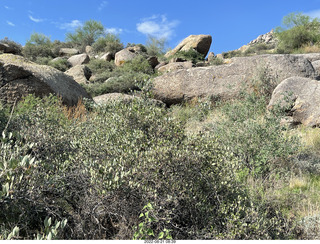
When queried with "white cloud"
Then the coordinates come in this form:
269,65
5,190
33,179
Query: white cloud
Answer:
114,31
314,14
70,25
158,26
102,5
35,19
10,23
7,7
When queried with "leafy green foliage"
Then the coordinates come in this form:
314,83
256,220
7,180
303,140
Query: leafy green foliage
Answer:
156,47
60,64
39,45
190,55
109,43
99,170
87,34
128,77
297,30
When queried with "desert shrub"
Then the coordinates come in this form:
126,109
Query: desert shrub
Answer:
107,82
128,77
231,54
254,135
139,65
109,43
258,49
298,30
86,34
39,45
156,47
216,61
190,55
57,45
60,64
98,66
100,172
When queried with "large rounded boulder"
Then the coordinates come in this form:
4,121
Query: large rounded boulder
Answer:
300,97
20,77
229,80
199,43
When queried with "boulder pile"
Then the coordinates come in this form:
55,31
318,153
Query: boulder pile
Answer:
20,77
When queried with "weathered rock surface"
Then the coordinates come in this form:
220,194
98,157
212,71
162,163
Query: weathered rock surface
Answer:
80,73
316,65
310,56
68,51
200,43
120,97
175,66
124,55
79,59
107,56
228,80
6,48
301,97
20,77
268,38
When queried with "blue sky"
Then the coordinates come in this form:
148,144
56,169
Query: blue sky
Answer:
232,23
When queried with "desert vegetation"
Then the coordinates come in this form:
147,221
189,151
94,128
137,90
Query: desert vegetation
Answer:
204,169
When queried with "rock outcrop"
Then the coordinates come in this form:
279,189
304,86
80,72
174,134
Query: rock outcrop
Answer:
127,54
200,43
79,59
20,77
7,48
68,51
175,66
80,73
228,80
268,38
301,98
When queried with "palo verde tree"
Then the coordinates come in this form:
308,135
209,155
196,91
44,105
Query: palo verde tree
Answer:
297,30
86,34
39,45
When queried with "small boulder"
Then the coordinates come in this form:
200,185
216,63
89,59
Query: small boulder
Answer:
124,55
80,73
200,43
68,51
7,48
175,66
301,98
79,59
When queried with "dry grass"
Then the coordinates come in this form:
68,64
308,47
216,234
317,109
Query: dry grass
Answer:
78,112
310,49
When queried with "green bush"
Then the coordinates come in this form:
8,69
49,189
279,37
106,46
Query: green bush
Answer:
60,64
109,78
100,170
109,43
98,66
86,34
39,45
156,47
256,137
190,55
298,30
